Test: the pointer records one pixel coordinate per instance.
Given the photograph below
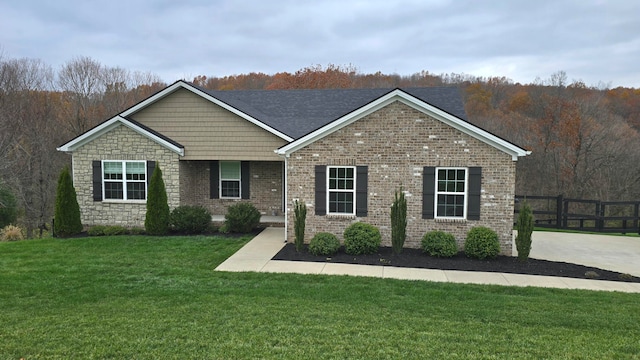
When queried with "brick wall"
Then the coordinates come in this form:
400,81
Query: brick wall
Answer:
121,143
396,142
265,187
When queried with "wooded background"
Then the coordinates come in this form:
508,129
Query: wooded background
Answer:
584,139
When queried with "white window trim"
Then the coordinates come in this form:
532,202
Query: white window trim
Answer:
466,193
353,213
239,180
124,182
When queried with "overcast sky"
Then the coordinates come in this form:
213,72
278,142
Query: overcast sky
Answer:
597,42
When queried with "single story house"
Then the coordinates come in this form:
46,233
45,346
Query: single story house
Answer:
343,152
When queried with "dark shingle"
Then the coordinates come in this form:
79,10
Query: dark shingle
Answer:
299,112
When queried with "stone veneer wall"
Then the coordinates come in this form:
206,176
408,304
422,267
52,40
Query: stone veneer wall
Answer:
121,143
396,142
265,187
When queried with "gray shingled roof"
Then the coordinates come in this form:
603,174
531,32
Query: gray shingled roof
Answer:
299,112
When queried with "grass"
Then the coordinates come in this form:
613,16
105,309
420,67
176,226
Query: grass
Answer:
159,298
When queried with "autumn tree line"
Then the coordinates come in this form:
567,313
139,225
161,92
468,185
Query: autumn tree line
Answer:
584,140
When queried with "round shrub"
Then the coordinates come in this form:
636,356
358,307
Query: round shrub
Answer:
190,219
324,244
242,218
482,243
361,238
439,243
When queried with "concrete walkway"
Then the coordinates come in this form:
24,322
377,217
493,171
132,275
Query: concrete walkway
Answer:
256,256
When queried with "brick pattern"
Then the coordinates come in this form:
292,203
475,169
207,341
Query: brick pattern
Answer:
396,142
266,189
121,143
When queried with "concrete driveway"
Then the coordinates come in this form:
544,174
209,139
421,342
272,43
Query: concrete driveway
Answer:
608,252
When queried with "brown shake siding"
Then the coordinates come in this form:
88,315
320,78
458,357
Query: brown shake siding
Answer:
396,143
208,131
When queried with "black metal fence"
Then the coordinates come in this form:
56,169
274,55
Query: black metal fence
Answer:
586,215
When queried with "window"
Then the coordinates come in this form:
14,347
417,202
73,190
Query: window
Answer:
124,180
341,189
230,179
451,191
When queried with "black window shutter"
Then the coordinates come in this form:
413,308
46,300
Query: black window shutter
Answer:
428,192
151,166
214,180
245,175
362,180
97,180
475,189
321,190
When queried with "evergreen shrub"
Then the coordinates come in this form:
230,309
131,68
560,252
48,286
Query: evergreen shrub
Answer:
67,211
324,244
398,221
439,243
300,216
361,238
8,206
242,218
190,219
156,221
524,226
482,243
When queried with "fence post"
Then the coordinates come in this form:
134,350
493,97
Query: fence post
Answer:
599,214
559,212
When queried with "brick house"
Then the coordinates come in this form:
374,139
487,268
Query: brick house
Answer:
343,152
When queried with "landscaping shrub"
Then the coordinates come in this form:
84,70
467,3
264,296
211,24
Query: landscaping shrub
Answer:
156,221
524,226
11,233
439,243
104,230
482,243
116,230
242,218
8,207
324,244
190,219
67,211
300,216
97,230
361,238
398,221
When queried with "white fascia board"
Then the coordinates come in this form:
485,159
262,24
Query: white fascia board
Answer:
110,124
417,104
184,85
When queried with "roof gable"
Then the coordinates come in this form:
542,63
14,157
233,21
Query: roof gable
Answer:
114,122
206,95
416,103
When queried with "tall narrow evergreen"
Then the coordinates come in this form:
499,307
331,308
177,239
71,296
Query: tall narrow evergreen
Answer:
67,212
524,226
156,221
398,221
300,216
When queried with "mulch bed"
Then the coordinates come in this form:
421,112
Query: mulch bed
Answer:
415,258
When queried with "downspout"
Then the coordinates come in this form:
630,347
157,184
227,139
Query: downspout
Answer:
286,200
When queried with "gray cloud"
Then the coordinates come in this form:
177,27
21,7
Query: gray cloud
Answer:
593,41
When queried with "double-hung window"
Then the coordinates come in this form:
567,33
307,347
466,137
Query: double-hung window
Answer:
451,192
124,180
341,190
230,176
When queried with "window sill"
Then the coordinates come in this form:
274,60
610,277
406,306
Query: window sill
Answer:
451,220
341,216
114,201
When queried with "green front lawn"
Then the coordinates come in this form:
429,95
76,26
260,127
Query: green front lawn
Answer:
138,297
